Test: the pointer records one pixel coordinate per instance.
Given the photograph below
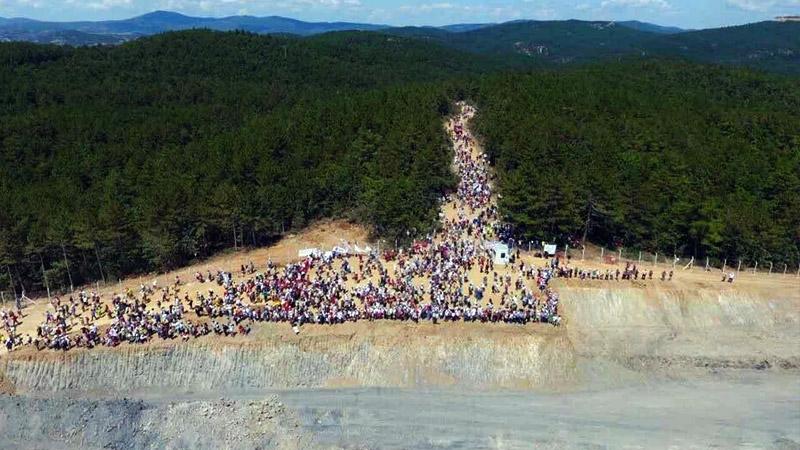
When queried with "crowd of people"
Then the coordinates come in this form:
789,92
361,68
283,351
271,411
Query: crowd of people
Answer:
631,272
450,276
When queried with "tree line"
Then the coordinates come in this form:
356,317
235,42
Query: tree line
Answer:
166,150
667,157
163,151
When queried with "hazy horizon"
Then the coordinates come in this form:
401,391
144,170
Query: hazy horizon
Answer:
677,13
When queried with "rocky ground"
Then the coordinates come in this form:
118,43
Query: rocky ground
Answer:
749,409
62,422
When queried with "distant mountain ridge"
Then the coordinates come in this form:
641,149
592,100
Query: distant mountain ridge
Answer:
88,32
162,21
561,41
772,45
653,28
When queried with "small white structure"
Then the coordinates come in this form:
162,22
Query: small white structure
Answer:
362,251
500,252
306,252
550,249
341,251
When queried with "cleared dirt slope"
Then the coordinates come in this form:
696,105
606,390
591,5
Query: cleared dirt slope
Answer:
612,334
676,332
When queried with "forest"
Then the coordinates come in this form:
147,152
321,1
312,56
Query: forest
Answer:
146,156
664,157
769,46
159,152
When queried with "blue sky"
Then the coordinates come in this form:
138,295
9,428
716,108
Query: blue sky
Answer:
683,13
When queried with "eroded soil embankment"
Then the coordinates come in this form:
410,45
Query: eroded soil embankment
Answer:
616,352
396,356
611,336
668,331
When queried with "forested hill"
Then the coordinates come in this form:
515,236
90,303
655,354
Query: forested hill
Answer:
247,67
667,157
117,31
770,46
546,41
165,150
150,154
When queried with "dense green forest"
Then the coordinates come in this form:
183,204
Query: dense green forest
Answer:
769,46
668,157
165,150
542,42
154,153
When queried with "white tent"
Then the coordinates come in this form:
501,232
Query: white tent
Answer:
501,253
341,250
362,251
306,252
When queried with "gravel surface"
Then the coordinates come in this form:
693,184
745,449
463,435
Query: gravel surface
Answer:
30,423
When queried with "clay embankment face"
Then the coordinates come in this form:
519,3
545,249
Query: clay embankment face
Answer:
614,334
655,328
363,354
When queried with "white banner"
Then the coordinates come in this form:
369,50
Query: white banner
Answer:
306,252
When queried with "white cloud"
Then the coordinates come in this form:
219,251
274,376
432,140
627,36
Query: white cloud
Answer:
105,5
427,7
660,4
763,5
751,5
23,3
313,3
461,12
